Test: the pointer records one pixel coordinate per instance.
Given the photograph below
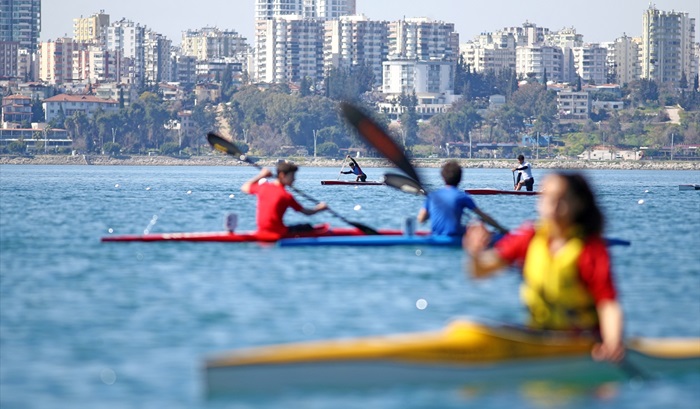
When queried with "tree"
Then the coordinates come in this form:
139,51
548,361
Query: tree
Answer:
38,114
409,118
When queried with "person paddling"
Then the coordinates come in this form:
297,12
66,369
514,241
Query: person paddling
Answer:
355,169
274,199
524,169
444,207
567,277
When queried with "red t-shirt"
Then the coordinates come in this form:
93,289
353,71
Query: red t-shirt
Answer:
593,263
273,201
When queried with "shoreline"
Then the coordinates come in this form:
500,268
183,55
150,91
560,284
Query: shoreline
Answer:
222,160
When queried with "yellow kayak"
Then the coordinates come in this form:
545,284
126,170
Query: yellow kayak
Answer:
465,352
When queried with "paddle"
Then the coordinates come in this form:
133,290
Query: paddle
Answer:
222,145
514,182
341,170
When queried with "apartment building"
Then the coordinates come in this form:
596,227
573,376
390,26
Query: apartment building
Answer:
314,9
156,57
573,104
288,49
667,45
536,59
9,53
20,21
72,104
490,51
16,109
590,63
91,29
355,40
56,60
211,42
423,39
626,59
127,38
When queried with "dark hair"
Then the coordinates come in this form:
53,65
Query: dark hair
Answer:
451,173
589,217
352,164
521,157
286,167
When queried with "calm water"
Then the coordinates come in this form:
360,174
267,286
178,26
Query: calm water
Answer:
114,325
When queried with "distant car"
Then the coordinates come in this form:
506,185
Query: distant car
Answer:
433,156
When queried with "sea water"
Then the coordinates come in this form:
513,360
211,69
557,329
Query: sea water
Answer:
126,325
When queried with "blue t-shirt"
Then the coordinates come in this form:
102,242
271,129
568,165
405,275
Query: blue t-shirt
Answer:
445,208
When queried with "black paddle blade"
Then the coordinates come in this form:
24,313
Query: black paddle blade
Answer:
378,138
364,229
403,183
222,145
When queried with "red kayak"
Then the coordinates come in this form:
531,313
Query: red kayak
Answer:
500,192
322,230
351,182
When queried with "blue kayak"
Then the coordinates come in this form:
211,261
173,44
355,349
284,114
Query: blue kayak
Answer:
406,240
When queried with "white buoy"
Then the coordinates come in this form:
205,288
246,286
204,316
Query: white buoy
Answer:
148,188
646,191
418,252
641,201
189,192
117,185
231,196
421,304
357,207
110,230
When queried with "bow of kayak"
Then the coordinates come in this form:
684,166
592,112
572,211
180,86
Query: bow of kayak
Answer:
465,352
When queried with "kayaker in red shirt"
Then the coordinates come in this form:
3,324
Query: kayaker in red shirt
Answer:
567,279
274,199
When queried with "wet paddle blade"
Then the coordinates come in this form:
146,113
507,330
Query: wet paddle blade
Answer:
403,183
223,145
378,138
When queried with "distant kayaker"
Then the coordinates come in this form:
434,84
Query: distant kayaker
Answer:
524,175
355,169
567,278
273,200
445,206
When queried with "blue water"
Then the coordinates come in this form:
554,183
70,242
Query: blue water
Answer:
115,325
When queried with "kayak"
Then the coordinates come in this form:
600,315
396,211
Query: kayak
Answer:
501,192
321,230
420,238
351,182
688,187
464,353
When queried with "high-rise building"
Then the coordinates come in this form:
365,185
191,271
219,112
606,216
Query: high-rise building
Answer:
56,60
590,63
626,59
20,21
356,41
423,39
538,59
320,9
91,29
127,38
211,42
668,39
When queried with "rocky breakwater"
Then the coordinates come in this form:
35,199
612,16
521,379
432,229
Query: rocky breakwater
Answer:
224,160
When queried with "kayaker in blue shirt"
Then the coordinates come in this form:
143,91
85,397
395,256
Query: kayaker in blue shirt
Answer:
444,207
355,168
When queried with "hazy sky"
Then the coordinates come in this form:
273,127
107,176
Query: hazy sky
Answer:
597,20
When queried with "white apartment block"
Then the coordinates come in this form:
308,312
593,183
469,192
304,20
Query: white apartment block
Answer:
668,39
315,9
56,60
626,58
211,42
536,59
573,105
590,63
288,49
354,41
490,51
72,104
406,76
423,39
127,37
528,34
91,29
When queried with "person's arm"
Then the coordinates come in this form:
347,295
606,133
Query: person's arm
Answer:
423,215
353,160
488,219
318,208
346,172
264,173
483,262
611,328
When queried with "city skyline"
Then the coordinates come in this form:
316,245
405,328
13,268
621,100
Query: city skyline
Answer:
599,21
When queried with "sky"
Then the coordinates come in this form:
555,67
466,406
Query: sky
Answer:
597,20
